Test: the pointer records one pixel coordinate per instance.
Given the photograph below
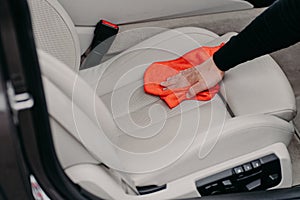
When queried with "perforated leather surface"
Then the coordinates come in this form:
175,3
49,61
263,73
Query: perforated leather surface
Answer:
54,31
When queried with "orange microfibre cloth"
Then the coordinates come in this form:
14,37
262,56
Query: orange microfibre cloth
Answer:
160,71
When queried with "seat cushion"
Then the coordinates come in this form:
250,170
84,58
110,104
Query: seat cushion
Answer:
257,86
194,136
164,46
153,137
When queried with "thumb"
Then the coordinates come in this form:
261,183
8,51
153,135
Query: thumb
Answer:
195,89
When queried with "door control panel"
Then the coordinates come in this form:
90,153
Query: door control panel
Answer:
259,174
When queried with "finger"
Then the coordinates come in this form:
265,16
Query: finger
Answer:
172,87
195,89
164,84
170,81
167,83
176,76
180,83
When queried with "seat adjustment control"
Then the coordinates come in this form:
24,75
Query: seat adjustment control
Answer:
238,170
247,167
227,183
255,164
259,174
253,184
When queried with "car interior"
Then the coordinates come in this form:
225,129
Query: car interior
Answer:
117,142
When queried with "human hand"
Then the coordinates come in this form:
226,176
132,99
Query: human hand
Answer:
198,79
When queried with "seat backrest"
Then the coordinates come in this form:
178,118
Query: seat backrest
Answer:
54,31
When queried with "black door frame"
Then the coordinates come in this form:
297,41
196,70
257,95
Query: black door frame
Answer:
34,134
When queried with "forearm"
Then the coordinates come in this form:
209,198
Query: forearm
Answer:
276,28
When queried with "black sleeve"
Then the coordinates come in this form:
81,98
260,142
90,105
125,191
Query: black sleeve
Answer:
276,28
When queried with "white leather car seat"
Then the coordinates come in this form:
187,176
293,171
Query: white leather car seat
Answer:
102,116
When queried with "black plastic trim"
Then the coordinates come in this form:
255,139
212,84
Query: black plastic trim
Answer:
278,194
150,189
259,174
261,3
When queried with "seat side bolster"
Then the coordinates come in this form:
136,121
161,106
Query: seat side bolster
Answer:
237,137
259,86
245,134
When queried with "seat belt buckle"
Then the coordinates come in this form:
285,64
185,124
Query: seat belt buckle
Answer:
103,31
104,35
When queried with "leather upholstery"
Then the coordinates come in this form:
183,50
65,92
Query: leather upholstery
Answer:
55,32
256,87
107,114
202,134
